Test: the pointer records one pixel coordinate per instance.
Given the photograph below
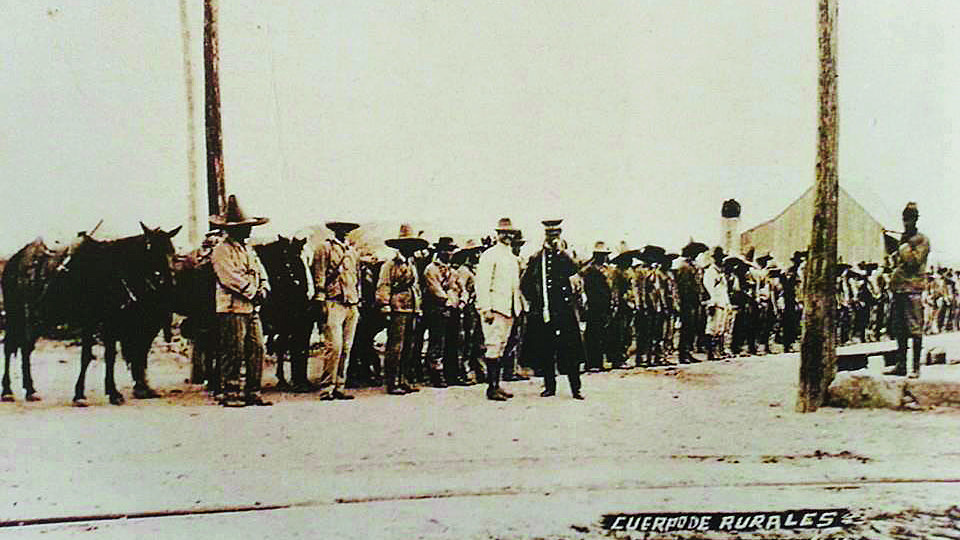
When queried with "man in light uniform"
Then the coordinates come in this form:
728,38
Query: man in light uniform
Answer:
336,276
718,303
498,302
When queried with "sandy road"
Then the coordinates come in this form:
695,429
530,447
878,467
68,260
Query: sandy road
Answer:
719,436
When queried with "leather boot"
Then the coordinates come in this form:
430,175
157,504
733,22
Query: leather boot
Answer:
492,374
436,379
479,374
915,367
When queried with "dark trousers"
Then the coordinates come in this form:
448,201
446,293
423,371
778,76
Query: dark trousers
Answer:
364,366
657,331
511,353
764,324
471,341
618,336
241,344
790,325
414,369
550,380
642,326
442,351
688,330
401,349
554,352
743,330
595,337
861,321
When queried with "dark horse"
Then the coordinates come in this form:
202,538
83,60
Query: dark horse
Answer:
119,288
364,367
194,299
287,315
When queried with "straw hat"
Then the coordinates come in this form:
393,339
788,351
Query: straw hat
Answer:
234,216
406,238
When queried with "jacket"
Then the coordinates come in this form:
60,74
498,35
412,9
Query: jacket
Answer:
240,276
398,286
336,272
909,274
498,282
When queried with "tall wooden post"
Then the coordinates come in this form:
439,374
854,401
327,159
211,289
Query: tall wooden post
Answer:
818,352
193,234
216,197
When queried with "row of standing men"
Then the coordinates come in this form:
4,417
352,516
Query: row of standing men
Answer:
482,312
439,299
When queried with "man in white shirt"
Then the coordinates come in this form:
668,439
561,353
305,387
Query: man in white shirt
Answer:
498,302
718,303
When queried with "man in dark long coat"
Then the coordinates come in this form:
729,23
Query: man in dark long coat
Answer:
689,291
553,342
598,313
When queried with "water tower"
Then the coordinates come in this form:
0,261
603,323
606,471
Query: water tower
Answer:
730,226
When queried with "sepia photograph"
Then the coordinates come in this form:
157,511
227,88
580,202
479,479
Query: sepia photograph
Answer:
485,269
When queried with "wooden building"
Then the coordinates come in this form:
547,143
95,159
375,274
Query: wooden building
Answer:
860,235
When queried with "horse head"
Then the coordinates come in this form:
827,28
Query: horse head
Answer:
158,258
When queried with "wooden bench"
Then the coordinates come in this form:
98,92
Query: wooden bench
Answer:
859,360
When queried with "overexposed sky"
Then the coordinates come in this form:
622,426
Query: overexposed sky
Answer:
631,119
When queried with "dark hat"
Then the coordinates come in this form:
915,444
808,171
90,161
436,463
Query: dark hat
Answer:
911,210
718,253
600,247
406,238
504,224
856,275
798,256
235,217
868,267
625,256
693,249
444,243
470,247
733,261
652,253
517,239
764,258
345,226
551,227
750,253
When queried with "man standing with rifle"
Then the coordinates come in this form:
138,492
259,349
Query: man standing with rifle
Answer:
907,284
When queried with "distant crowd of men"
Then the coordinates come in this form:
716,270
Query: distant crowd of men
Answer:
461,315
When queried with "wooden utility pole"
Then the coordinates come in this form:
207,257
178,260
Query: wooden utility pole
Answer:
216,197
193,234
818,352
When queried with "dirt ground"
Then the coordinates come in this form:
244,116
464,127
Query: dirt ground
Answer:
711,437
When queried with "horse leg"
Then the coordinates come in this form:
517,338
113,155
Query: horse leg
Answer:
9,350
280,346
31,392
86,356
110,357
211,362
138,365
282,384
299,349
